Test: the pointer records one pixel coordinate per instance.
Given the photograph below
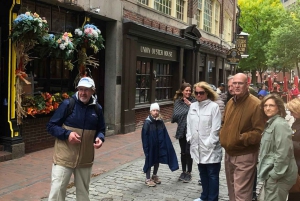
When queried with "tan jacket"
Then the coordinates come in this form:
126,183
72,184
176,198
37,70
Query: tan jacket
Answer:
242,126
71,155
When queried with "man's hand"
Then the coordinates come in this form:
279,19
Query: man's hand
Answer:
74,138
98,143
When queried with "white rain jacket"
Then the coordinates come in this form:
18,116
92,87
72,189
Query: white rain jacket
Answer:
203,126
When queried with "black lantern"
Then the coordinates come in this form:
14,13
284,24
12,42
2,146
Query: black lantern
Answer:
71,2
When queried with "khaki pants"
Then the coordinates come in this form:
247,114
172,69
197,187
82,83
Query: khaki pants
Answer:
60,179
240,173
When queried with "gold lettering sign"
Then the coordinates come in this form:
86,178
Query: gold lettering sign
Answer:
241,44
156,52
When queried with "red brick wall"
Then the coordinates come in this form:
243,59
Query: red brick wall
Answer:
35,135
141,114
150,22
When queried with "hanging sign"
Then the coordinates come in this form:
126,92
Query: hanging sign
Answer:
233,56
241,44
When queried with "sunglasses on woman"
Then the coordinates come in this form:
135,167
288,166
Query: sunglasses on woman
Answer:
199,93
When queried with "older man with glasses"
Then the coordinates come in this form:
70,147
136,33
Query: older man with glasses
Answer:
240,136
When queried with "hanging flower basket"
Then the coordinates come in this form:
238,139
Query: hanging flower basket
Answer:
88,37
28,30
62,47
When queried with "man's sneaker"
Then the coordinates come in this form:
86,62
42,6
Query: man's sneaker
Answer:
156,179
182,176
198,199
187,178
150,183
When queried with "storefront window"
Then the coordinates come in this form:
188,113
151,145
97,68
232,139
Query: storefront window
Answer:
143,82
163,90
49,74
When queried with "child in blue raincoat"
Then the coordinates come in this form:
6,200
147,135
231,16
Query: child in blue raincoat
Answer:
157,146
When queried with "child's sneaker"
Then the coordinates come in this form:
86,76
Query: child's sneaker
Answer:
182,176
187,178
150,183
155,179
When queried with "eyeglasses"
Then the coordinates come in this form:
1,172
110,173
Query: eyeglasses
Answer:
239,83
199,93
270,105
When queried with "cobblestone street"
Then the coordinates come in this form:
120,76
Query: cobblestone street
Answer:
126,183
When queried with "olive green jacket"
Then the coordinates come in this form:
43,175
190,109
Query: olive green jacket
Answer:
276,155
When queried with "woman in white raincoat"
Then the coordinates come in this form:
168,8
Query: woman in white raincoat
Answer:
203,126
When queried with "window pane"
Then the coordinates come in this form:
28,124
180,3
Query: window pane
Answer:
207,16
143,2
163,6
164,77
142,94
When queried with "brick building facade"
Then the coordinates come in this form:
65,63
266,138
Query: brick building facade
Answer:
151,46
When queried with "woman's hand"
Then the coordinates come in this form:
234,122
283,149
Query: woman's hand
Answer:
186,101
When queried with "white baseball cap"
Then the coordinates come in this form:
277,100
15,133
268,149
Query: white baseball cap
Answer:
154,106
86,82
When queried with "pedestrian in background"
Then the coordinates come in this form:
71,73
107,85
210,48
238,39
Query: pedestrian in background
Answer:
263,92
203,125
157,146
294,108
230,89
294,91
277,166
76,137
182,101
240,136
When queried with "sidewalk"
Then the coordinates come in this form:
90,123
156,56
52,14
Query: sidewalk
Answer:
117,174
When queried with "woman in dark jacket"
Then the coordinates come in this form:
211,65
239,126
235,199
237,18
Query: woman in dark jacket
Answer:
294,107
182,102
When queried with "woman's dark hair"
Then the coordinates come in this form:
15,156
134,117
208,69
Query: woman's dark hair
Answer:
178,93
278,101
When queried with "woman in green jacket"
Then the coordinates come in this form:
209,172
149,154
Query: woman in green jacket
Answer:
277,166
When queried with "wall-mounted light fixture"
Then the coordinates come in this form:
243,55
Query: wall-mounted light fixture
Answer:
71,2
95,10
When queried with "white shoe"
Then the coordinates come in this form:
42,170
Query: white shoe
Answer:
198,199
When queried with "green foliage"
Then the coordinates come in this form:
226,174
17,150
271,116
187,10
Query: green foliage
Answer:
258,18
283,49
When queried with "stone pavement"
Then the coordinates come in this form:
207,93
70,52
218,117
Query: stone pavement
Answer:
116,175
126,183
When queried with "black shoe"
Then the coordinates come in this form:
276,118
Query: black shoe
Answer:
182,176
187,178
199,182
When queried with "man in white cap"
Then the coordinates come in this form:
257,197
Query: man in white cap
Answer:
78,125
